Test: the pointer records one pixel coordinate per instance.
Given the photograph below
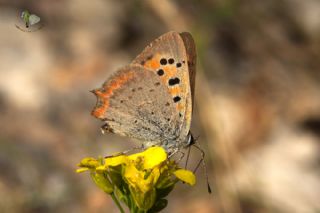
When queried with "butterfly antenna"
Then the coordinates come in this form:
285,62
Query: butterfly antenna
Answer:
204,166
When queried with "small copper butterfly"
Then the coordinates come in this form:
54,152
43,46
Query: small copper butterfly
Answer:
151,99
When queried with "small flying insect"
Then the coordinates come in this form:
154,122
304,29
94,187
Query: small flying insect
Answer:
29,20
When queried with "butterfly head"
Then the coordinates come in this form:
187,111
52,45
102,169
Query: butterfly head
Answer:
190,139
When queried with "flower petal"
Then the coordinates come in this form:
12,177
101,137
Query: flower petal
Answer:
115,161
82,170
186,176
89,163
153,156
100,168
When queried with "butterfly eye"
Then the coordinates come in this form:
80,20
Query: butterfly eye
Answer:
190,139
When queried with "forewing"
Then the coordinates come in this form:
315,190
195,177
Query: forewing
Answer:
167,58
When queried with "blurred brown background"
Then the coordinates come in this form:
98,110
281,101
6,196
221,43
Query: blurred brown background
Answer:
257,106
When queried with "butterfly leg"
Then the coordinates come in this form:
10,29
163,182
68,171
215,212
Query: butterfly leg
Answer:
187,160
173,152
202,157
204,166
181,156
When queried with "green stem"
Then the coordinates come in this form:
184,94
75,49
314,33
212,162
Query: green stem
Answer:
114,198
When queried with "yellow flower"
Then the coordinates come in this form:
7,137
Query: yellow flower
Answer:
141,180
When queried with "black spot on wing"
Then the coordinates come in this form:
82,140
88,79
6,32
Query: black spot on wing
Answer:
173,81
160,72
163,61
176,99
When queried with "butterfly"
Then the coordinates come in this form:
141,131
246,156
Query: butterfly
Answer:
151,99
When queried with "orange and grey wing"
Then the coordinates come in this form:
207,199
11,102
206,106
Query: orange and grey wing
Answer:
135,103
